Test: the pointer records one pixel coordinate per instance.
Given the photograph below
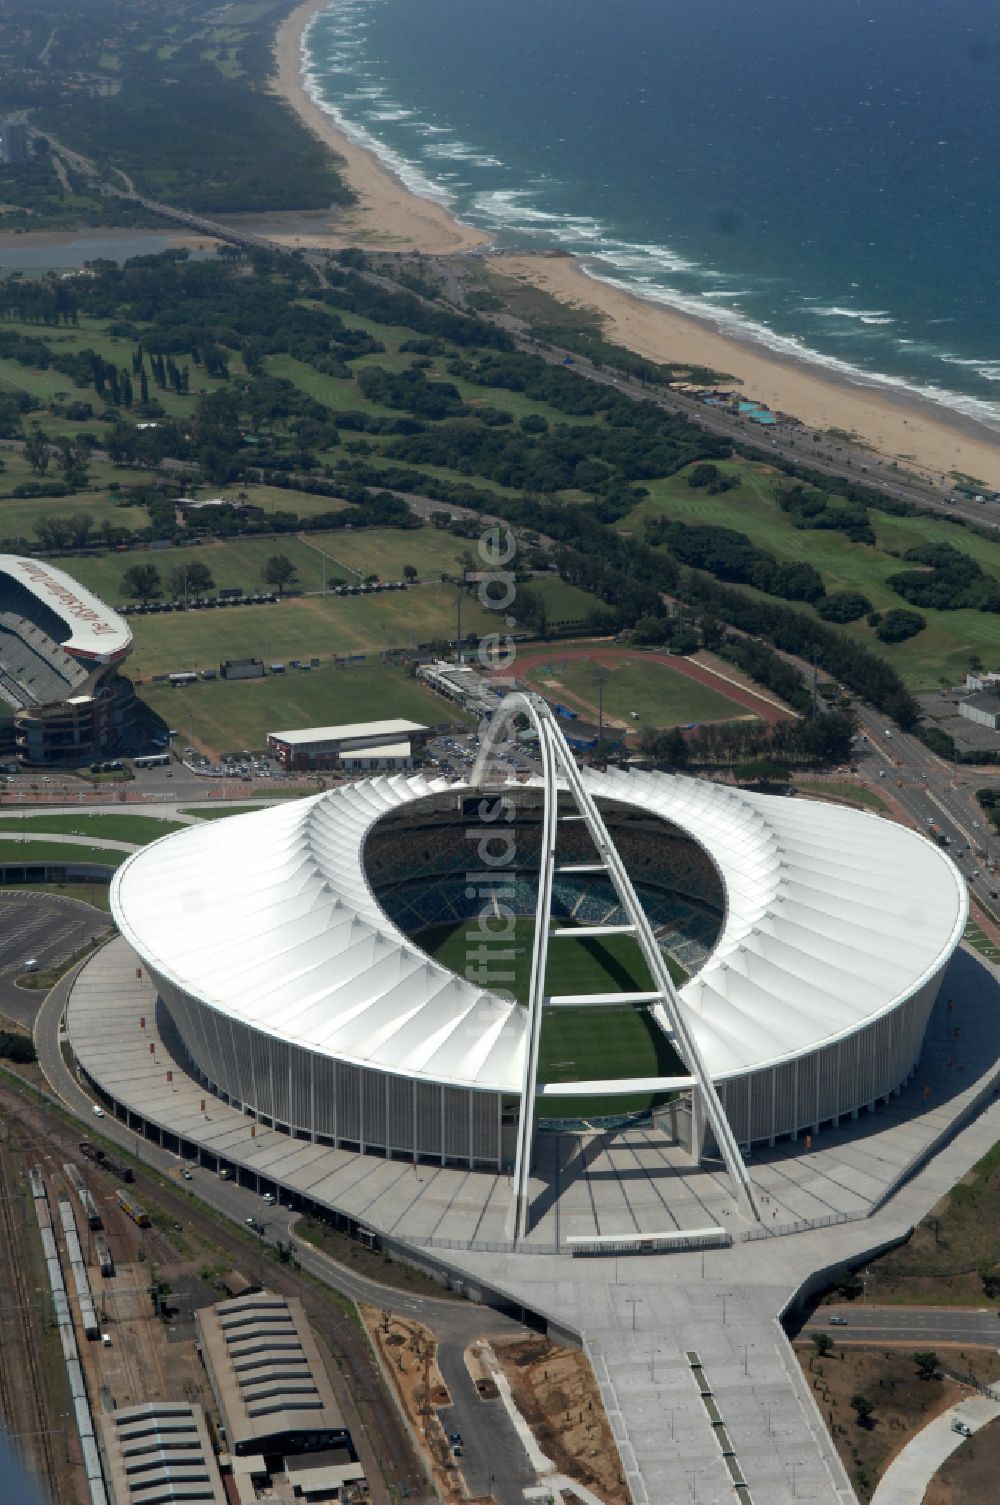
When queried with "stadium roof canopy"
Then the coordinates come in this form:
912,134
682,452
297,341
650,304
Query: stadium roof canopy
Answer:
833,916
95,633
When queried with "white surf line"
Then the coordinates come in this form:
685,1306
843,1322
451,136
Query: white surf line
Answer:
332,557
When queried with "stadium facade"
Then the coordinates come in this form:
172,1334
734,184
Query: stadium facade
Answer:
281,943
62,699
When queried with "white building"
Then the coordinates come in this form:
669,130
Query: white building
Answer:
383,746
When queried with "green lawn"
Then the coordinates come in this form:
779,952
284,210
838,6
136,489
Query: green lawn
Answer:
577,1044
661,697
847,794
940,652
208,812
977,937
308,626
225,715
385,551
137,829
39,852
563,602
233,562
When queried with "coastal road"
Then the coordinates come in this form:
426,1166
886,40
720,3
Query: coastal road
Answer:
923,1326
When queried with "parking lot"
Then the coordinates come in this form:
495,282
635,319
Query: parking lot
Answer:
45,928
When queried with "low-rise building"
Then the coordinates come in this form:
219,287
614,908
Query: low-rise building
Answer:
359,746
460,684
161,1451
983,708
268,1378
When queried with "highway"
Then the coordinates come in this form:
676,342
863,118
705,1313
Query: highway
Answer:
924,1326
900,766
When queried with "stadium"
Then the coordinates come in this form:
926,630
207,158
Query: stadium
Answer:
390,969
62,700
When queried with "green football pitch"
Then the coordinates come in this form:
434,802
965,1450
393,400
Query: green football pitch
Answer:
577,1045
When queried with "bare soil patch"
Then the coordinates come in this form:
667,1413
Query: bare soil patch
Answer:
555,1391
903,1402
408,1351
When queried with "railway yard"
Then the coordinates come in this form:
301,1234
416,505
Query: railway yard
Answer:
177,1264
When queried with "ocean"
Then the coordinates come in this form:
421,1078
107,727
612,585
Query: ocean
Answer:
817,175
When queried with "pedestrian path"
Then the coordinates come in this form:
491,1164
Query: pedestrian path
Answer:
906,1479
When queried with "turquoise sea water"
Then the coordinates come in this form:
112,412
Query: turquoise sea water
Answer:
819,175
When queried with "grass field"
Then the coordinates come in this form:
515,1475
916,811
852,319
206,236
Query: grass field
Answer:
661,697
941,651
37,852
203,812
307,626
576,1044
137,829
976,936
563,602
847,794
225,715
385,551
233,562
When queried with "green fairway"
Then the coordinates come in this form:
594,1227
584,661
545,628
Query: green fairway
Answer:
660,696
225,715
940,652
137,829
584,1044
563,602
56,852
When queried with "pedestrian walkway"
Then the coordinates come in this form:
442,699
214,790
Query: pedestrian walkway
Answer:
906,1479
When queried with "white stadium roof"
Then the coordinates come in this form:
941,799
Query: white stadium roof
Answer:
97,633
833,916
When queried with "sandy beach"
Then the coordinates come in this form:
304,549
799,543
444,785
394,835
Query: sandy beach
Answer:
903,428
389,217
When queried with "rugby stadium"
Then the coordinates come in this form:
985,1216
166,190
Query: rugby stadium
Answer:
62,699
416,968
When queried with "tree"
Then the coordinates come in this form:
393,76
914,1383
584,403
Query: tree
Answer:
190,579
280,572
822,1342
863,1409
410,572
36,452
142,582
927,1363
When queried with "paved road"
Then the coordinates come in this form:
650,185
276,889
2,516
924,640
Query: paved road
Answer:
921,1325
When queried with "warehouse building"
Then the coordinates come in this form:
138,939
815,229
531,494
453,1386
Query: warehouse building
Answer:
983,709
161,1451
361,746
268,1378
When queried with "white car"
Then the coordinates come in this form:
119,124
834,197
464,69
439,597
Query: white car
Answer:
97,1112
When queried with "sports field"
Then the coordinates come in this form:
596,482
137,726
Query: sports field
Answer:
576,1044
658,695
223,715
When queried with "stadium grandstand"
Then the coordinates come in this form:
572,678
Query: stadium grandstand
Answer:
62,699
385,969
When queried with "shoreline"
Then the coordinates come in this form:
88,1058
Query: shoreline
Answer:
388,216
897,426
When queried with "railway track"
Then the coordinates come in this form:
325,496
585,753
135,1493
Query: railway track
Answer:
24,1400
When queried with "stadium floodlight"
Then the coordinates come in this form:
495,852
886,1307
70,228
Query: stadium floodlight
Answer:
558,763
